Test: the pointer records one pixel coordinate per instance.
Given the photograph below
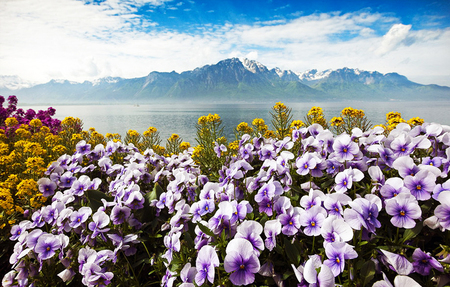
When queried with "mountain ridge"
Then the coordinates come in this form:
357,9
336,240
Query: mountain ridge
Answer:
235,79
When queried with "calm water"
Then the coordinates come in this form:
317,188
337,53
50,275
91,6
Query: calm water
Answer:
182,118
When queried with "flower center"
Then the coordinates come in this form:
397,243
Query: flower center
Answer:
424,260
403,149
419,187
345,149
337,209
313,223
241,266
338,260
206,207
290,223
48,248
402,213
305,166
345,182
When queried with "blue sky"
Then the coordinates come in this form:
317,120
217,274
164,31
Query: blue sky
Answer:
87,40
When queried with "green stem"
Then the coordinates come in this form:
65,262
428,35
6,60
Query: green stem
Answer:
132,269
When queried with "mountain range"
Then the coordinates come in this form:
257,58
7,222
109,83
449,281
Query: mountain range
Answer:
231,80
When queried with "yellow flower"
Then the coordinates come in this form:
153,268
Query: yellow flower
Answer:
244,128
197,151
35,164
337,121
297,124
4,148
269,134
202,120
59,149
213,118
77,137
11,122
259,124
315,111
279,106
23,133
132,133
391,115
6,200
45,130
185,145
415,121
35,123
348,112
173,137
34,148
68,121
27,187
150,131
234,145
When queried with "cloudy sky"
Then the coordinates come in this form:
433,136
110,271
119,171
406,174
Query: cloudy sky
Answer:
86,40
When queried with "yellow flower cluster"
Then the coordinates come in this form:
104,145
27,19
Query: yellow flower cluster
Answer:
416,121
174,137
337,121
297,124
315,111
315,116
279,106
259,125
244,128
210,118
24,157
11,122
185,145
150,131
353,113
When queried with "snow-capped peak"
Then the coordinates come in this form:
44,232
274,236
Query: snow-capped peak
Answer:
252,65
313,75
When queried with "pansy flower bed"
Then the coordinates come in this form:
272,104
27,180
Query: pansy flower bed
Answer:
306,207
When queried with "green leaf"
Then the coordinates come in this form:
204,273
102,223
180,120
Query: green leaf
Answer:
413,232
95,198
155,194
205,229
367,272
292,252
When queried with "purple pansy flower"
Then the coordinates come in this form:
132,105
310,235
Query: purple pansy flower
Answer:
47,245
337,252
207,260
290,221
251,230
421,184
345,148
80,216
335,229
100,221
119,214
364,213
272,228
241,262
404,208
442,211
46,186
312,220
344,180
397,262
393,187
307,162
424,262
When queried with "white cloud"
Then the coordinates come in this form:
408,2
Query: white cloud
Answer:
67,39
396,35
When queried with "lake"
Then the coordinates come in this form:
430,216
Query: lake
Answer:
182,118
